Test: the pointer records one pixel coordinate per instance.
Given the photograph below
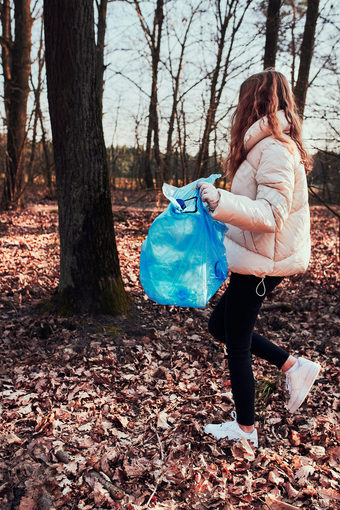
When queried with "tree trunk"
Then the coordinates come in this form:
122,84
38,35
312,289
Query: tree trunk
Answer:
182,143
154,42
292,30
48,162
306,53
138,156
147,162
17,68
6,46
90,278
30,170
153,119
272,32
157,152
100,67
37,107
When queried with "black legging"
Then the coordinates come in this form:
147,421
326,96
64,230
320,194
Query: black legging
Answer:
232,322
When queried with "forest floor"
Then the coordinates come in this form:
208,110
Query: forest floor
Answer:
100,412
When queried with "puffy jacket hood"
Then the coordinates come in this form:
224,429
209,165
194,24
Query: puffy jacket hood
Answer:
260,129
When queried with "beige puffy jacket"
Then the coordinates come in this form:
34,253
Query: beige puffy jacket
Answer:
267,210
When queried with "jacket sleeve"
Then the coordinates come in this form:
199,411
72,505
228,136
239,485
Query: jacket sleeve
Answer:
275,185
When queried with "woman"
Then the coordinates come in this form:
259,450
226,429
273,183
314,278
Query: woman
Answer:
267,214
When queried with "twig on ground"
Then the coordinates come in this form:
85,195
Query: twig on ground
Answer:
284,305
160,446
160,478
116,492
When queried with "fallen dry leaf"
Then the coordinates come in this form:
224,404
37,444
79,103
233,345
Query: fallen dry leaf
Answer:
303,473
275,478
276,504
27,504
242,450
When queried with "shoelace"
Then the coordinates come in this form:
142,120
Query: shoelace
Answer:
288,383
233,415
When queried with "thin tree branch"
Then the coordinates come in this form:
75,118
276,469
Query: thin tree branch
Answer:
132,81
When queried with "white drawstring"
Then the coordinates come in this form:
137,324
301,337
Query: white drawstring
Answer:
264,287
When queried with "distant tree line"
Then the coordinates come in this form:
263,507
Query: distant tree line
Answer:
125,170
125,166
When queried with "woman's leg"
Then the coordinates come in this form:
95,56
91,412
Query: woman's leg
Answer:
260,346
241,307
265,349
232,322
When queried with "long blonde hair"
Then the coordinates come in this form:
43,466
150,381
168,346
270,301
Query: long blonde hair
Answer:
263,94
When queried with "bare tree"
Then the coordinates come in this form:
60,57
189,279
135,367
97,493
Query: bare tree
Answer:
90,278
16,61
234,12
38,119
153,38
36,91
306,53
272,32
176,77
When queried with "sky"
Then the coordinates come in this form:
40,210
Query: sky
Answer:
128,75
126,53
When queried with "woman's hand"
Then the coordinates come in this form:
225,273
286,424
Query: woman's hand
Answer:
209,193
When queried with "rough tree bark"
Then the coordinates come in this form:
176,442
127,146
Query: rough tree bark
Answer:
272,32
90,279
16,59
306,54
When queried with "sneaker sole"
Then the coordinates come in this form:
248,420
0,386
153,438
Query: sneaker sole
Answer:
309,381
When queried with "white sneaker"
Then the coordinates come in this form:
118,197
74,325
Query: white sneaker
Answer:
299,380
231,430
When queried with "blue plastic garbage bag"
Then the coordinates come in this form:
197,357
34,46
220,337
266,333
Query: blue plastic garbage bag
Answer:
183,260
